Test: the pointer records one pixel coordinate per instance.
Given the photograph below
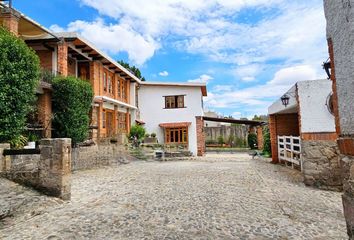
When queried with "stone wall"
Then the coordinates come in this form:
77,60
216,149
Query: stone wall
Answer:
88,157
23,169
48,172
239,132
321,164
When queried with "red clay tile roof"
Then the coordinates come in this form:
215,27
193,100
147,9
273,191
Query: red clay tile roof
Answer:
175,124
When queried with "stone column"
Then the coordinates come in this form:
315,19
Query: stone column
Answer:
10,19
4,161
55,168
200,136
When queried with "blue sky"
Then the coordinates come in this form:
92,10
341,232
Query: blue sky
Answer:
249,52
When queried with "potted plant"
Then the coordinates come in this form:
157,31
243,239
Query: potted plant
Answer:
153,135
31,141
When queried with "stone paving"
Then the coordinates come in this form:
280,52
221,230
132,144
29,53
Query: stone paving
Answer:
216,197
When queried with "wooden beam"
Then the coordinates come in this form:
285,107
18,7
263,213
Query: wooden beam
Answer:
93,55
106,63
80,46
86,50
114,67
97,58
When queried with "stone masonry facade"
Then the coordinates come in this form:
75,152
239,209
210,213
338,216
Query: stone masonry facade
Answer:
95,156
200,136
340,37
321,164
48,172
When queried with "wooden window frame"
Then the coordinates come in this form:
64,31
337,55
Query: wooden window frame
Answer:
103,119
172,102
105,81
176,135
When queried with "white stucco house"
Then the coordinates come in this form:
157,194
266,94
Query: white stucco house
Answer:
303,132
170,111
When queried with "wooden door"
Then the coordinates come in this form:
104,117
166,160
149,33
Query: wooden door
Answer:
109,123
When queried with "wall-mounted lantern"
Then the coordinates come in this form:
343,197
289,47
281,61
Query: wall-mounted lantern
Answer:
285,100
326,66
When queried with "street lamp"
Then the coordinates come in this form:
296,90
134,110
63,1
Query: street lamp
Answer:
326,66
285,99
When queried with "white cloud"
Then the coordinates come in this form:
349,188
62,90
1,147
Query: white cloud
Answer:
202,79
259,97
115,38
56,28
248,73
164,74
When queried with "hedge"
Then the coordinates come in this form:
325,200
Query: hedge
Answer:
19,77
72,99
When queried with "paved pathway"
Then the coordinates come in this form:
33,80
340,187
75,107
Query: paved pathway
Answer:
217,197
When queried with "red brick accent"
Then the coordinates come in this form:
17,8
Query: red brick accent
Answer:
10,19
260,139
319,136
45,57
44,104
63,58
334,85
282,125
200,136
346,146
71,67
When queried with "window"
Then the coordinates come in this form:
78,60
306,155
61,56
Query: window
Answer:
110,84
118,88
174,101
105,82
122,123
176,135
124,89
104,119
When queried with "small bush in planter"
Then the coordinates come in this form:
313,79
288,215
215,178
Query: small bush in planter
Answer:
147,135
153,135
221,140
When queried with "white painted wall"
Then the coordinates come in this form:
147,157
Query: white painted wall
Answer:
315,116
152,112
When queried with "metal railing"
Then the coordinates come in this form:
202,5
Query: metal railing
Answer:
289,150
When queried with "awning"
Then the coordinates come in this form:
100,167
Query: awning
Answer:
139,122
113,101
175,124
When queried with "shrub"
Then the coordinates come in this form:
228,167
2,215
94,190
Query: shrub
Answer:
19,77
153,135
267,148
137,131
221,140
147,135
18,142
231,140
72,99
210,141
252,140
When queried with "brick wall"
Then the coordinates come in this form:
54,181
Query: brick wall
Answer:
46,60
44,104
63,58
71,67
282,125
9,19
200,136
260,140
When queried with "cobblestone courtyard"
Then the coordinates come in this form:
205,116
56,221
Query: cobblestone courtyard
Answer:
217,197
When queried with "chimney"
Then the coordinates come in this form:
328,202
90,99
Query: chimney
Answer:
10,18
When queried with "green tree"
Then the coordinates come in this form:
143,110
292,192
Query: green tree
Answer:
252,140
133,69
221,140
72,99
137,131
267,148
19,77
